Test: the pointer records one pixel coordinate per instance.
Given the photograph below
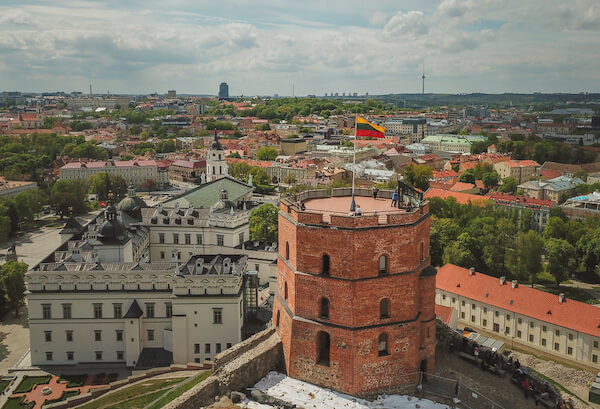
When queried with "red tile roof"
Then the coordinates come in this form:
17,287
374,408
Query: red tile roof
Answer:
502,198
442,174
550,173
522,300
462,198
460,186
443,313
192,164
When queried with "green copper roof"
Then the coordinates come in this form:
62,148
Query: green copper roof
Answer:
208,194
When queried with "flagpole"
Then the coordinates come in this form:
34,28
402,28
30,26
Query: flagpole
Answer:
353,203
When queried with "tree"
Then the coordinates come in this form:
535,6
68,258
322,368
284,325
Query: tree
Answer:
234,155
509,185
13,215
289,179
418,176
561,259
67,196
555,228
263,223
101,183
12,278
149,185
267,153
529,256
443,232
459,252
490,179
467,177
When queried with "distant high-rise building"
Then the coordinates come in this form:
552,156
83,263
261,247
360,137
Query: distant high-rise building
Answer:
171,93
223,90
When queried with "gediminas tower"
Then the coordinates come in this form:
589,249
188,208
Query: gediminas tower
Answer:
354,305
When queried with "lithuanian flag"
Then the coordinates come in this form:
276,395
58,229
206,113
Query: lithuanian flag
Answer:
366,128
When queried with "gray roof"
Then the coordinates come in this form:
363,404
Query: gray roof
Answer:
206,195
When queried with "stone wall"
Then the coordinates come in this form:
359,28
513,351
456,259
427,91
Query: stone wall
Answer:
235,369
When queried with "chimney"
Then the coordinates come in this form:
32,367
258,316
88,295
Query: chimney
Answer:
472,271
515,284
502,280
561,298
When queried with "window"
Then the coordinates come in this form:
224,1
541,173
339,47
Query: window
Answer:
46,312
150,310
188,239
150,335
556,346
70,356
570,337
48,336
570,351
531,324
496,327
443,296
169,310
207,348
217,348
519,320
69,335
66,311
325,265
161,238
384,308
97,311
162,255
462,303
220,240
462,315
473,306
241,237
285,291
217,315
382,345
120,356
507,330
287,250
97,335
422,251
507,317
48,356
543,342
472,318
196,348
323,348
383,265
119,335
485,310
595,358
557,333
324,308
228,345
595,344
277,319
544,328
198,239
175,238
118,310
519,333
98,355
496,313
453,300
484,323
531,338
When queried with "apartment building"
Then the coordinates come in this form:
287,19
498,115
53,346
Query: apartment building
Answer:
135,172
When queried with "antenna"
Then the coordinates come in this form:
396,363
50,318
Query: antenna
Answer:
90,90
423,77
293,90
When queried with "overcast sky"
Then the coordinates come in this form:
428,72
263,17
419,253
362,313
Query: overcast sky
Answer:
263,47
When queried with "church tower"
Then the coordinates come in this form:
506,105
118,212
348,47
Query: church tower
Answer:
216,166
355,296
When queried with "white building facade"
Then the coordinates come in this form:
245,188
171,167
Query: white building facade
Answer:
134,172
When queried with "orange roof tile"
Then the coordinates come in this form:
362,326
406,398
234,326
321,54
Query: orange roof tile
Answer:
522,300
460,186
462,198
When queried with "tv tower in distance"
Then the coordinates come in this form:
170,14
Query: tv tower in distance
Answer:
423,78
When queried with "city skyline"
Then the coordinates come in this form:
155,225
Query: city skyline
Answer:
272,47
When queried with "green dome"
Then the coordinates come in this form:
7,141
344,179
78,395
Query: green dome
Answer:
131,203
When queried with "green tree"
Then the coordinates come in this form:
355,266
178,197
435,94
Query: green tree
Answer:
267,153
443,232
12,278
101,183
467,177
561,259
555,228
459,252
530,247
418,176
13,215
234,155
509,185
490,179
263,223
67,196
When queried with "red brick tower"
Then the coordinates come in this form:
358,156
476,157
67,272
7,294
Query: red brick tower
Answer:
355,294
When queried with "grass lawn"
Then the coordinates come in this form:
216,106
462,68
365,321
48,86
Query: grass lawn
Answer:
73,381
130,392
139,402
576,294
29,382
65,395
179,390
17,403
4,384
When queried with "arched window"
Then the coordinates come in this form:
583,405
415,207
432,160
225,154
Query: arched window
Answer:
287,250
277,319
285,292
382,345
384,308
325,265
324,310
323,348
383,265
422,251
214,173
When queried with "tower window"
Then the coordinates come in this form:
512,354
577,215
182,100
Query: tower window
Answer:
422,251
384,308
325,265
324,310
323,348
382,345
277,319
285,291
287,250
383,265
